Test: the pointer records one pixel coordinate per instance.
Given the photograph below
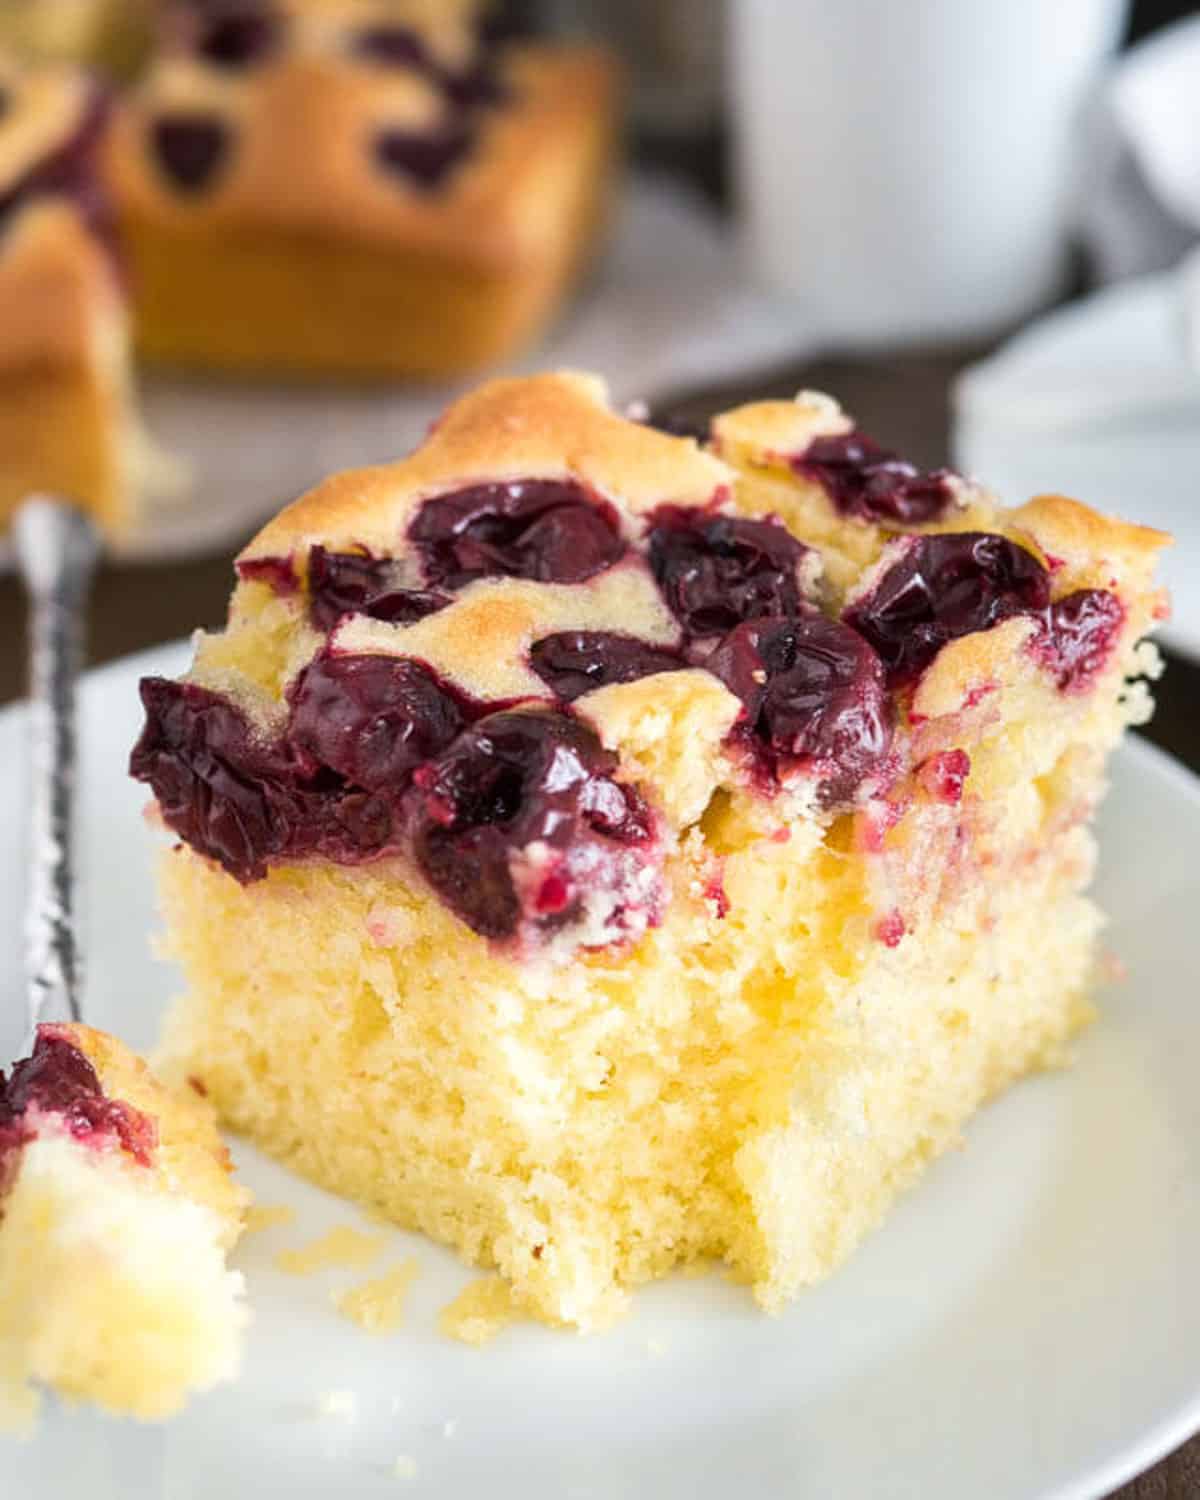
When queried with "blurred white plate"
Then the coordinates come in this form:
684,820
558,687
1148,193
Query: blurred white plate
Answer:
1099,400
1025,1326
666,308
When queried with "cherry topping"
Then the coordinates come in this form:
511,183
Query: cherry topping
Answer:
58,1079
399,46
373,719
277,573
343,583
520,823
551,530
863,479
220,786
395,46
423,157
942,587
716,571
1081,631
191,148
575,662
477,87
815,699
238,39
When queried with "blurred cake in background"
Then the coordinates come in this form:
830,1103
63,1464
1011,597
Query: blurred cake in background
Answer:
68,422
356,188
106,33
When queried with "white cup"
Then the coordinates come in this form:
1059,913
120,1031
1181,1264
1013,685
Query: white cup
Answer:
905,166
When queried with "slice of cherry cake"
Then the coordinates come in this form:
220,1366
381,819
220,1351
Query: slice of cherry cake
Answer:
439,188
68,418
117,1209
603,851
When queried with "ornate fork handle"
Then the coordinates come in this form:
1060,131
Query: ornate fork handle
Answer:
56,548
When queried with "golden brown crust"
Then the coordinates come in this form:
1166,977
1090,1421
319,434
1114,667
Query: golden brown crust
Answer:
1085,548
482,643
59,304
768,433
546,426
301,159
43,106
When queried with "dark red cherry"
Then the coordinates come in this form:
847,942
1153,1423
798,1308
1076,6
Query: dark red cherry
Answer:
943,587
393,46
863,479
1080,634
219,784
424,158
477,87
57,1078
520,821
575,662
191,148
815,699
716,571
373,719
551,530
238,39
343,583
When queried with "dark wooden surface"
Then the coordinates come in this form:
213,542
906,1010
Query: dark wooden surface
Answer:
902,400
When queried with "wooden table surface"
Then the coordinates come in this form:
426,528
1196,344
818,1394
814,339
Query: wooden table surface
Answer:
902,400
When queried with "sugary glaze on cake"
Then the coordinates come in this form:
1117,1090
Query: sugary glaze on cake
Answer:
117,1208
367,138
67,418
603,851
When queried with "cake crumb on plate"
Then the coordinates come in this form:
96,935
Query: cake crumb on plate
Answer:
481,1310
267,1216
378,1306
342,1246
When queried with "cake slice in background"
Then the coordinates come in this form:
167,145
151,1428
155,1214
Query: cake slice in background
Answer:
117,1211
97,33
68,418
601,851
362,188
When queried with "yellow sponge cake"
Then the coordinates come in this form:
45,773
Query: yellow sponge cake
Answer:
601,850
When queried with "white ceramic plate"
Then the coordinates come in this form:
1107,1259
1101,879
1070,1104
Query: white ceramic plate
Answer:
1026,1325
1100,400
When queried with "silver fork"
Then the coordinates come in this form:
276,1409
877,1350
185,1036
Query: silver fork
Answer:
57,548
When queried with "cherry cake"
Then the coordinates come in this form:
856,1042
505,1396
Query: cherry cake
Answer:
117,1209
603,850
440,187
68,418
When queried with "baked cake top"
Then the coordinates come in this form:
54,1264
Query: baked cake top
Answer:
59,273
366,119
543,657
